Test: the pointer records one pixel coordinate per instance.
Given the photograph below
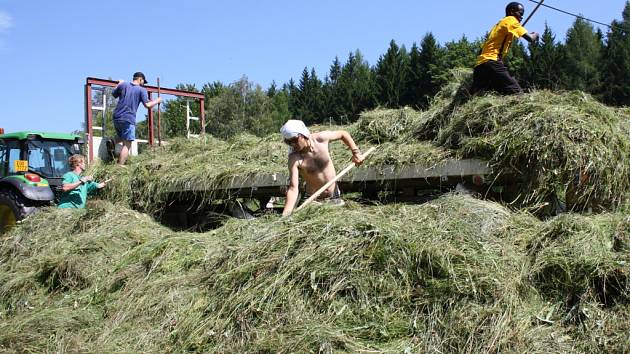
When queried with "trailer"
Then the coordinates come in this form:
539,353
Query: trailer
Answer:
244,197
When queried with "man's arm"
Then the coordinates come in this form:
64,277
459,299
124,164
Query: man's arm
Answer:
531,37
293,191
68,186
150,104
117,90
344,136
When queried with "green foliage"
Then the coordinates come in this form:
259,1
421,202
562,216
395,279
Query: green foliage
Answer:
243,107
173,115
430,68
548,138
457,54
518,62
583,53
391,76
356,86
309,98
546,63
616,73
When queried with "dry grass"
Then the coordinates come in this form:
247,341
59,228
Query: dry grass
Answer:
452,275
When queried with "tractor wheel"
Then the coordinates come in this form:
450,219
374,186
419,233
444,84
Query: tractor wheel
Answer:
13,208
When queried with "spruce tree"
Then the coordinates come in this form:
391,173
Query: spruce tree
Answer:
302,109
391,76
356,86
413,95
547,61
272,90
583,55
431,66
315,98
616,66
292,93
332,101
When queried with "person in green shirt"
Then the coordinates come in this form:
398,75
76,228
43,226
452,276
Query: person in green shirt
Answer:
76,187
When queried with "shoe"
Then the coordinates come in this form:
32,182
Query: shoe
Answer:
111,148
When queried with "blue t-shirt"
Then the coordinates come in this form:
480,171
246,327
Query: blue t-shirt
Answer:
76,198
129,98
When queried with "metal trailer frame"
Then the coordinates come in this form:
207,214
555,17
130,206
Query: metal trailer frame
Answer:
89,109
407,179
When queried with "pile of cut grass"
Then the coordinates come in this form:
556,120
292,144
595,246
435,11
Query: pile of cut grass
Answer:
452,275
183,164
386,125
543,145
208,163
558,143
554,143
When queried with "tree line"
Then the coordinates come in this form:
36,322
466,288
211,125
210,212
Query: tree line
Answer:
588,60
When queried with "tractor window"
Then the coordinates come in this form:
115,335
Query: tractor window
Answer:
49,158
3,159
14,154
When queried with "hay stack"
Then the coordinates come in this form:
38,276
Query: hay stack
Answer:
543,145
453,275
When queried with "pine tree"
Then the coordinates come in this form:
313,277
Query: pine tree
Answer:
309,98
333,106
431,66
547,61
413,95
272,90
292,92
315,99
616,66
356,86
583,54
391,76
301,109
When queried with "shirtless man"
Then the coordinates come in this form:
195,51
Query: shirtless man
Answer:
309,157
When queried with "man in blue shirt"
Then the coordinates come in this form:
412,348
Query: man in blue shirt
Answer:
129,95
76,187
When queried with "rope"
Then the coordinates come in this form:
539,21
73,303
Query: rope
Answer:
579,16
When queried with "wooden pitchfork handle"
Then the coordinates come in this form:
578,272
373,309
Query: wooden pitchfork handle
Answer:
533,12
159,120
330,183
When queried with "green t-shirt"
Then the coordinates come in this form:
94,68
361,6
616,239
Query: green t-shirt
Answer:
76,198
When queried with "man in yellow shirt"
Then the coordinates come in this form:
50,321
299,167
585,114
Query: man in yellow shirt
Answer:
490,73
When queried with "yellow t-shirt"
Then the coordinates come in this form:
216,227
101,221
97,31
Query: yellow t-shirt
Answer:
500,38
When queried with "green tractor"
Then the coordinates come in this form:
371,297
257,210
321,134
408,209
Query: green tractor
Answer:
32,165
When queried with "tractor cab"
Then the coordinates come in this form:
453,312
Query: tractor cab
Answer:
32,165
43,154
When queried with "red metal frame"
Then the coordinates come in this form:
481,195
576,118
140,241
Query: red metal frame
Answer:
150,89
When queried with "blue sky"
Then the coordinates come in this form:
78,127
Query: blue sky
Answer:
48,48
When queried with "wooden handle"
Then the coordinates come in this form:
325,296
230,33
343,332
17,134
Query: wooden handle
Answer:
330,183
533,12
159,120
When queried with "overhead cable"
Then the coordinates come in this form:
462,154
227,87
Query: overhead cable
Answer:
580,16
